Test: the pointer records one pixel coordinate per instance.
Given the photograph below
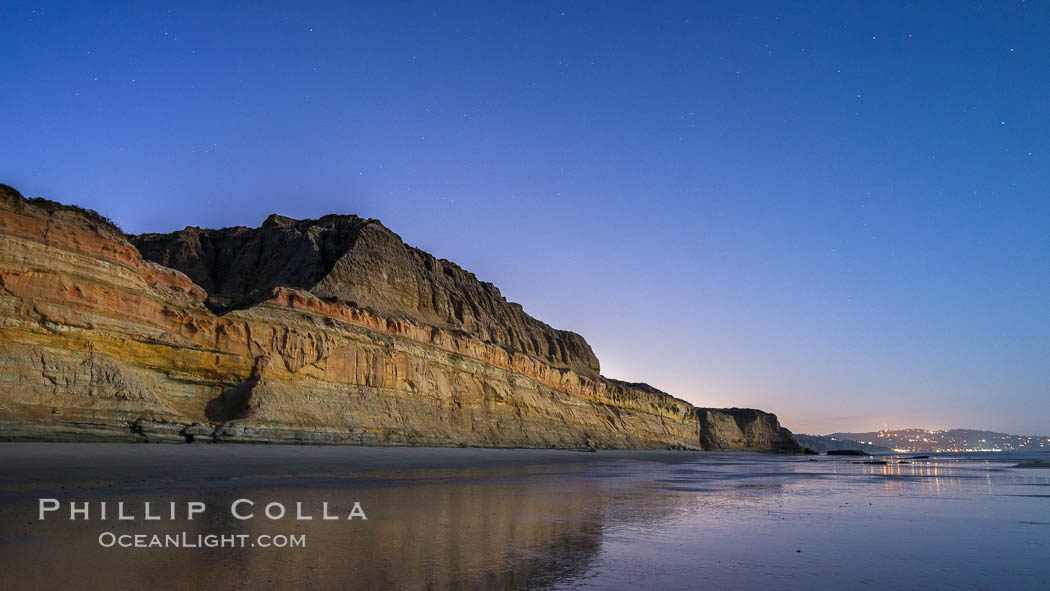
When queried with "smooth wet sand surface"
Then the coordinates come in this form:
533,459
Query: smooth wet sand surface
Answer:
528,519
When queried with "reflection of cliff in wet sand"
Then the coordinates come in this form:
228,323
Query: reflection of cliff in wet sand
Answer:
493,519
460,535
329,330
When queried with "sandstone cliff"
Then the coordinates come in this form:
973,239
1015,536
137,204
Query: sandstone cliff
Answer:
744,428
329,330
358,262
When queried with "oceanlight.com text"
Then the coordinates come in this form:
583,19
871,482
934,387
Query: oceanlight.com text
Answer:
187,540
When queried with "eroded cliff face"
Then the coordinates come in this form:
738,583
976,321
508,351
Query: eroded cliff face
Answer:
359,262
97,341
315,331
744,429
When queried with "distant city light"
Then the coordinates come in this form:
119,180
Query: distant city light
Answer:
953,440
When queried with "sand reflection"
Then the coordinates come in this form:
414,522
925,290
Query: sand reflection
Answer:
472,529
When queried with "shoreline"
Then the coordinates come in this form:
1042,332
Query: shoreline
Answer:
48,465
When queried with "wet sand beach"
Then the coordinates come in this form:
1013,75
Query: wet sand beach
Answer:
523,519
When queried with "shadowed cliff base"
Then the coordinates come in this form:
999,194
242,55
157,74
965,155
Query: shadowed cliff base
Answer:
300,331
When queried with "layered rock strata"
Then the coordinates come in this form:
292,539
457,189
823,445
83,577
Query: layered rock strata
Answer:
359,262
744,429
312,331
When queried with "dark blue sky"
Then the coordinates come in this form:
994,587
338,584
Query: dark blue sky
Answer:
839,212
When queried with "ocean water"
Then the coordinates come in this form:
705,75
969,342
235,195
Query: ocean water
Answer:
524,519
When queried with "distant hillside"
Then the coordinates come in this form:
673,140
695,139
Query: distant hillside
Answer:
951,440
825,443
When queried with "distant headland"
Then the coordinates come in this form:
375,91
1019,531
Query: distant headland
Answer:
950,440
